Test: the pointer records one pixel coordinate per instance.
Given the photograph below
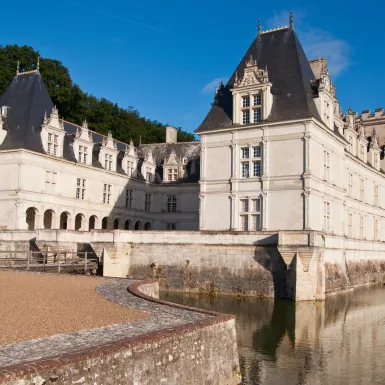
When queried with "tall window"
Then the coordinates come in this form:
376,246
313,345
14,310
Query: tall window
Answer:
53,142
326,112
172,174
148,174
252,109
171,203
80,188
362,189
362,151
147,202
327,216
250,214
350,225
106,193
375,234
361,226
50,181
129,198
108,162
82,156
170,226
251,161
130,168
376,200
350,184
327,166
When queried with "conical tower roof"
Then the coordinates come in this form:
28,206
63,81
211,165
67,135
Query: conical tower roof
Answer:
28,101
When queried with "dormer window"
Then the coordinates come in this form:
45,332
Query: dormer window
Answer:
148,174
130,168
52,144
172,174
246,101
246,117
108,162
252,110
82,158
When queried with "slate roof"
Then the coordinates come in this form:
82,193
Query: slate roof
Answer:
29,100
289,72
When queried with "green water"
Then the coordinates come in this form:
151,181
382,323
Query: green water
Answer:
339,341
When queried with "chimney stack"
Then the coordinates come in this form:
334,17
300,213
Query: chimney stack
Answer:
171,134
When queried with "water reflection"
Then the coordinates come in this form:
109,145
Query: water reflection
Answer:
339,341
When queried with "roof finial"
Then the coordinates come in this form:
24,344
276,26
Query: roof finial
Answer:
38,64
259,26
18,67
291,19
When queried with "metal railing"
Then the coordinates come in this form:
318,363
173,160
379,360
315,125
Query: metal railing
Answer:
77,260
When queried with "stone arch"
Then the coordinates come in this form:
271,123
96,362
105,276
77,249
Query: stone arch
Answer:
31,217
127,225
138,225
148,226
105,223
64,220
116,223
80,222
48,219
92,222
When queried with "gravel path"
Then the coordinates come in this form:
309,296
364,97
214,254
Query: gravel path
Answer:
161,317
40,305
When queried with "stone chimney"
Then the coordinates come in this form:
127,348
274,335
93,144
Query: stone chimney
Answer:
171,134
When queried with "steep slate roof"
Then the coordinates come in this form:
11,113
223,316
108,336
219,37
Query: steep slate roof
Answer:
289,72
29,100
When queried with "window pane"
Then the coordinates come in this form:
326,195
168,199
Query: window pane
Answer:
257,168
246,117
257,115
244,205
244,223
245,169
257,152
246,101
255,222
257,100
245,153
256,205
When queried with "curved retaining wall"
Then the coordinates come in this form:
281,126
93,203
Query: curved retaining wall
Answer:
203,352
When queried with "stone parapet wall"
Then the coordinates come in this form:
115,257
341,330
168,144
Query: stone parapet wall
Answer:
203,352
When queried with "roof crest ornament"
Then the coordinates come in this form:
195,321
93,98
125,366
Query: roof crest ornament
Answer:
259,26
18,67
291,20
38,64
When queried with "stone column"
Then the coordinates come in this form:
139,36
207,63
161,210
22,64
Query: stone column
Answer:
201,211
233,220
307,206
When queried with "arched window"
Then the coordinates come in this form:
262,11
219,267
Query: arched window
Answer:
116,223
147,226
48,219
64,218
30,217
127,225
138,225
104,223
92,222
79,222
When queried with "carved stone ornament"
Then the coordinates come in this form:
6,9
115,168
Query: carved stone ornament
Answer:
252,75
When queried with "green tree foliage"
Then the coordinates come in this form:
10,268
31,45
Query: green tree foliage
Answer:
76,105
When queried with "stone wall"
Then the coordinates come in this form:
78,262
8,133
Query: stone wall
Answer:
203,352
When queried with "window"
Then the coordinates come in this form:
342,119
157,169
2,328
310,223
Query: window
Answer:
326,216
130,168
148,174
129,197
82,157
375,234
50,181
251,165
108,162
350,184
326,113
376,195
147,202
171,203
170,226
326,166
53,141
246,117
245,169
80,188
258,100
361,226
250,214
257,115
350,225
362,190
184,160
172,174
246,101
106,193
362,151
351,144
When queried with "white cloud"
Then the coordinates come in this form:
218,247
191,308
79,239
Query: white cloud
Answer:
316,42
210,87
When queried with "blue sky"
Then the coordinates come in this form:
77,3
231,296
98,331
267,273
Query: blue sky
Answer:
166,57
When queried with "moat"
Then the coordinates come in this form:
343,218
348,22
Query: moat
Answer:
338,341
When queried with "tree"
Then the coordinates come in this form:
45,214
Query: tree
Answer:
76,105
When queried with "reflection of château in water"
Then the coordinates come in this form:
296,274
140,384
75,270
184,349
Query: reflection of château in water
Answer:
339,341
